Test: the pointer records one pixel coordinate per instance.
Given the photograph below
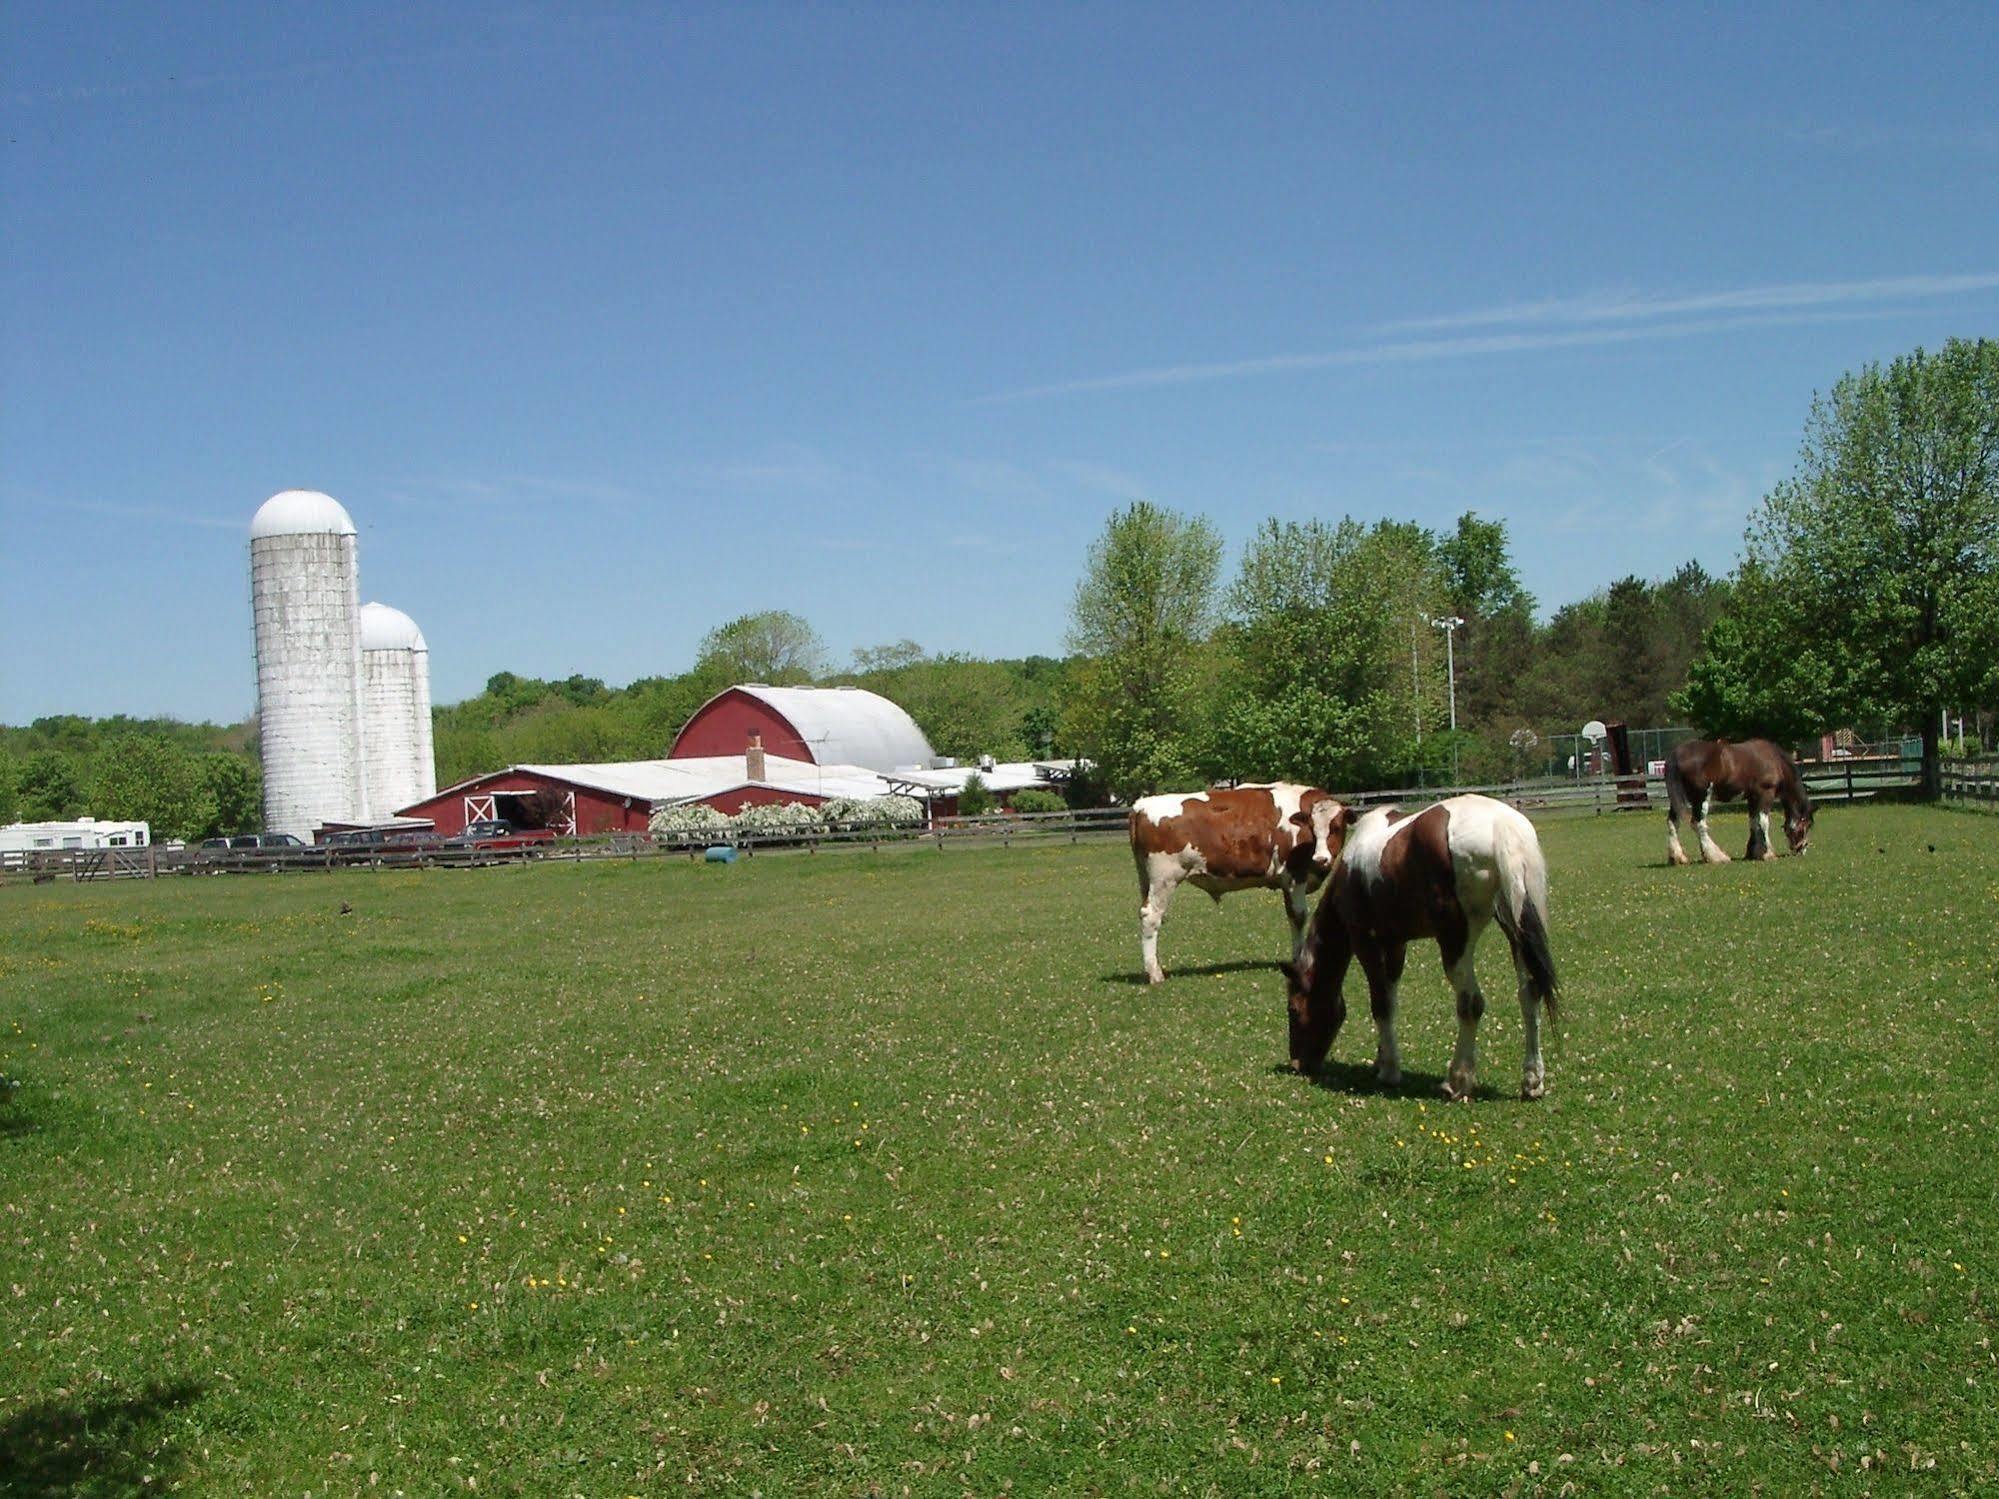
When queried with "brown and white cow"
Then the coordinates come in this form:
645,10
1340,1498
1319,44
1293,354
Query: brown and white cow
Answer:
1278,836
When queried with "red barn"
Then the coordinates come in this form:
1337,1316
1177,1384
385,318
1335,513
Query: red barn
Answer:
820,725
619,797
749,744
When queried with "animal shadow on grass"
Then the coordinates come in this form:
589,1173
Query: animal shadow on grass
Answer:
1358,1077
1195,971
105,1445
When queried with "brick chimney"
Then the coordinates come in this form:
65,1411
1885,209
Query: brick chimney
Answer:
753,758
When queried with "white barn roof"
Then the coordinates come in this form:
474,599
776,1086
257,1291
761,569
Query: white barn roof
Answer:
847,725
664,782
1006,776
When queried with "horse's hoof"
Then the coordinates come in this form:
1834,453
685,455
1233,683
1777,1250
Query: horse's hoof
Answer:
1155,978
1388,1079
1530,1091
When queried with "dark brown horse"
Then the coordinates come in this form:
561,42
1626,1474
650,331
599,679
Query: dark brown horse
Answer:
1701,772
1446,872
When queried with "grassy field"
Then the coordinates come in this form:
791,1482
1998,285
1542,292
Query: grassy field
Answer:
879,1173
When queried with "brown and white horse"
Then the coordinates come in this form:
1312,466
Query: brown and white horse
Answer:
1446,872
1700,772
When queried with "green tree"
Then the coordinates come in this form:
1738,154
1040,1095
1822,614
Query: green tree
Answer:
976,799
1496,643
774,647
48,788
1331,664
1758,673
1141,613
144,778
965,706
236,788
1882,552
10,796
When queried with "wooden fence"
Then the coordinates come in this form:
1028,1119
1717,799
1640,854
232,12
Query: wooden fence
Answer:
1839,781
1971,781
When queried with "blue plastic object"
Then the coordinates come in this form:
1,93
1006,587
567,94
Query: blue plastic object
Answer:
720,853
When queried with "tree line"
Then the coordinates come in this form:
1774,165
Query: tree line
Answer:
1867,598
187,780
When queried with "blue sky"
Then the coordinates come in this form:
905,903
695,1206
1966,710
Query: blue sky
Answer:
609,323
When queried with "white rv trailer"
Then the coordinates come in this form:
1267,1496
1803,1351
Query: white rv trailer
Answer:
83,832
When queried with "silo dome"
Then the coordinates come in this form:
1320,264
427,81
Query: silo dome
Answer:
387,629
295,512
305,601
395,711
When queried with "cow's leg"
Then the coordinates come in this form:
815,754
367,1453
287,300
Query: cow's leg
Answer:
1533,1077
1383,967
1710,850
1157,877
1298,906
1459,948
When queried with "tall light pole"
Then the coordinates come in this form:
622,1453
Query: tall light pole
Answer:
1449,625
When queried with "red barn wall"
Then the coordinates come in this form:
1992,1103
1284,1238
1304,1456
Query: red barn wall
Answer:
724,726
596,811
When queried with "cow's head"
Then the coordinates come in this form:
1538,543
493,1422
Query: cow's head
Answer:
1315,1014
1322,829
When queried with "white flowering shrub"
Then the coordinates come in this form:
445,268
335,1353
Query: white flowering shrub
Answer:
873,811
792,817
690,820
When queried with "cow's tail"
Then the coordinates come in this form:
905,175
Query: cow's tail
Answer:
1522,906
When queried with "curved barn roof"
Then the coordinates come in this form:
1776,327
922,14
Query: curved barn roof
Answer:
844,725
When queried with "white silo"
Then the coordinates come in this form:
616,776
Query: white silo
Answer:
305,600
395,710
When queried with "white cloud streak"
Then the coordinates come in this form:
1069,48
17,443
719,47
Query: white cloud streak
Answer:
1625,307
1413,351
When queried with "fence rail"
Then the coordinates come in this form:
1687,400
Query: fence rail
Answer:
1835,781
1971,780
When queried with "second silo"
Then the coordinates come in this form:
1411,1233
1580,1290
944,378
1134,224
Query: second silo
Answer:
305,601
395,710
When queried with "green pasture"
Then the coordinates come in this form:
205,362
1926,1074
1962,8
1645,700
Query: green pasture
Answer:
878,1173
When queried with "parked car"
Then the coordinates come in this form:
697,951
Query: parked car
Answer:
249,843
491,835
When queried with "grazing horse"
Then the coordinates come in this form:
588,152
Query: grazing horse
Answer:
1446,872
1268,837
1700,772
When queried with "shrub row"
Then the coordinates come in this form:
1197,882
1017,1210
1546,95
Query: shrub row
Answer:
837,815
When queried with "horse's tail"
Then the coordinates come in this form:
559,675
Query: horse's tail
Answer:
1676,789
1522,907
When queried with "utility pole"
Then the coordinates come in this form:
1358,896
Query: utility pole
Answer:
1449,624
